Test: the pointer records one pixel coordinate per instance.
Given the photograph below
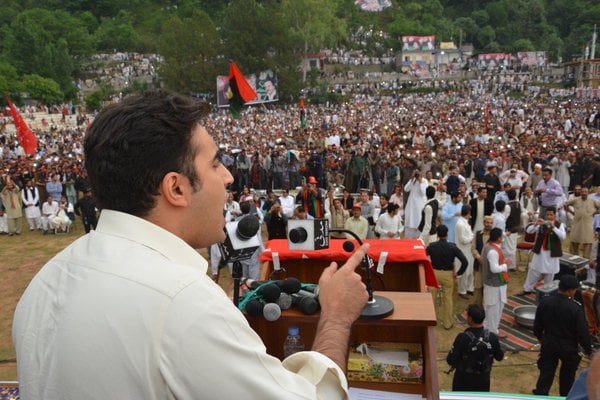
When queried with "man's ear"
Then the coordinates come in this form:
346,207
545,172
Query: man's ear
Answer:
175,189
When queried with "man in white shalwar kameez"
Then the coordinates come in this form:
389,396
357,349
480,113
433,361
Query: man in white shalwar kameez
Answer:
415,188
547,250
389,225
464,240
494,281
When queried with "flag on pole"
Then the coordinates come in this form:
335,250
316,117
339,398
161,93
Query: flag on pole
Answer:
487,117
26,137
240,91
302,114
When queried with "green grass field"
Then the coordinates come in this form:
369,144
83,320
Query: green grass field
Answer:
22,256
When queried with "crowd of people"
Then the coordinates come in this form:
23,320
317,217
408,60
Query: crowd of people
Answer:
470,170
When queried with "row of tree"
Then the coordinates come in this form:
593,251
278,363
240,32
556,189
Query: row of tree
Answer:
43,43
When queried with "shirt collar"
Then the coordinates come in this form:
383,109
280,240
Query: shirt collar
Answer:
130,227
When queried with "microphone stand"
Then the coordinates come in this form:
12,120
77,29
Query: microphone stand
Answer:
377,307
236,274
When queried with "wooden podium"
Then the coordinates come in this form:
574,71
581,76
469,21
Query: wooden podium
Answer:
404,280
413,321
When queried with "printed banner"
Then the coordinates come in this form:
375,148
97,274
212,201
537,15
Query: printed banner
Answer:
418,69
265,86
418,43
373,5
532,58
494,60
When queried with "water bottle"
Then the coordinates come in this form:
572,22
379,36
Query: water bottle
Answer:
293,343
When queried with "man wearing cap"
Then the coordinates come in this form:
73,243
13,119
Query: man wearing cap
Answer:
310,197
357,223
469,377
535,177
582,235
549,191
495,279
560,326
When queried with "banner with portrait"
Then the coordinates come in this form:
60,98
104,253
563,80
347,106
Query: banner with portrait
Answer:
265,86
494,60
418,43
373,5
417,69
531,58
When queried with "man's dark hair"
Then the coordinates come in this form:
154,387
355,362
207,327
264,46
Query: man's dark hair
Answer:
465,210
132,145
512,194
392,207
442,231
430,192
500,205
495,233
548,170
550,208
476,312
245,207
481,189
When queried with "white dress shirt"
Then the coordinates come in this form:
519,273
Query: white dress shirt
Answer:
127,311
386,223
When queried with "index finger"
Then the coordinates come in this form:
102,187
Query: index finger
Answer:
355,259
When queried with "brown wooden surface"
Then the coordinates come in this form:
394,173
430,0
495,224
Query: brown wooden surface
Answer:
402,277
412,321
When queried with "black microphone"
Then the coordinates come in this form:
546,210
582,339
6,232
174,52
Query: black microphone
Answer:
269,293
288,285
256,308
348,246
298,235
247,227
306,301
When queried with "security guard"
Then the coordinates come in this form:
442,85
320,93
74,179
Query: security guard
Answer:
473,369
442,254
560,325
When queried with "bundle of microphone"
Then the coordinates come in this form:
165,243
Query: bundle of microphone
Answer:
268,298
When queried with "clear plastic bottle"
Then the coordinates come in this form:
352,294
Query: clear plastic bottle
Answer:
293,343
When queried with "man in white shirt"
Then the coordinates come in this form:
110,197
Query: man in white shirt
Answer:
287,203
49,211
129,307
389,225
464,238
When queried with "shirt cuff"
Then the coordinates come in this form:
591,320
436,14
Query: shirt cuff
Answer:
328,378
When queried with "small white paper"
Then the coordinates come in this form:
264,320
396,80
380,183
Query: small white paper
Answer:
390,357
381,263
276,263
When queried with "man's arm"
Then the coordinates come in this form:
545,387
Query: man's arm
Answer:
342,295
464,263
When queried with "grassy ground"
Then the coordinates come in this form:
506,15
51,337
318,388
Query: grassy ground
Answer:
22,256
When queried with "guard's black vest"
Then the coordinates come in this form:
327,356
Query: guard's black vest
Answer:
434,208
555,244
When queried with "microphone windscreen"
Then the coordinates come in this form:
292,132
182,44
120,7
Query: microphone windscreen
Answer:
270,292
290,285
271,312
298,235
254,308
308,305
247,227
348,246
284,301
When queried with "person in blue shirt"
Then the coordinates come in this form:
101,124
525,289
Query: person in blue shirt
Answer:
451,214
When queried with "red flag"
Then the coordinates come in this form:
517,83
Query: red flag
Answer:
26,137
487,117
240,91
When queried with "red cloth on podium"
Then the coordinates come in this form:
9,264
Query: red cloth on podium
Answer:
403,250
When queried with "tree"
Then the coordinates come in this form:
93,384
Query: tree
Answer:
9,79
191,50
312,24
43,89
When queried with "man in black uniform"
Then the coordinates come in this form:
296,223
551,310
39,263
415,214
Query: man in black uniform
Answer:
560,325
442,254
86,209
473,353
